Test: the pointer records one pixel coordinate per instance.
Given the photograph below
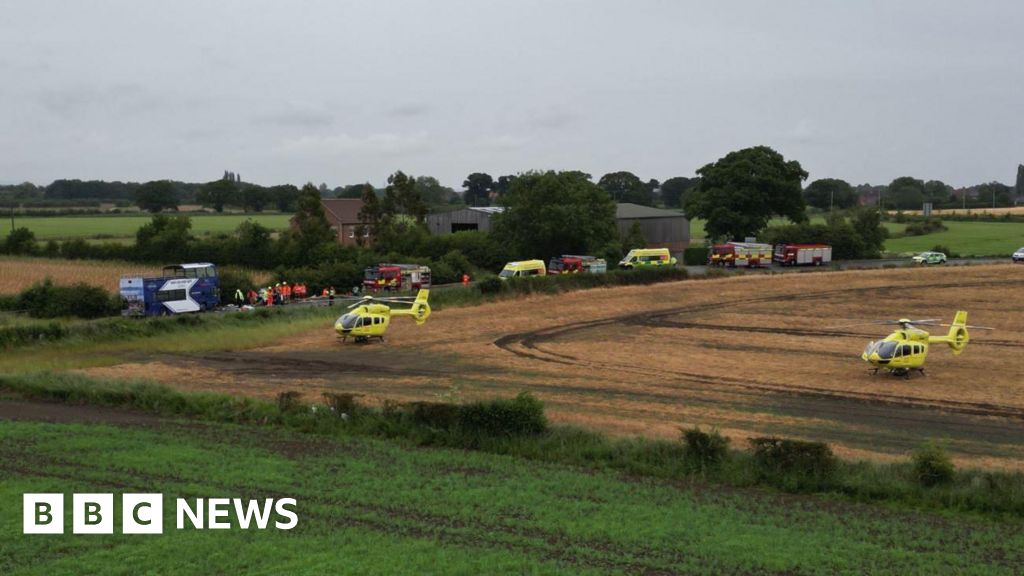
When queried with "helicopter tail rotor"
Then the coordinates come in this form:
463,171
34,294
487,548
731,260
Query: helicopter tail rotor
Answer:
958,337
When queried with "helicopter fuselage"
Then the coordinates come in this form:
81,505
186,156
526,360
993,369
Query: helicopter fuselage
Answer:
903,350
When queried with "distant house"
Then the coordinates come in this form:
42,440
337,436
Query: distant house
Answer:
343,216
661,228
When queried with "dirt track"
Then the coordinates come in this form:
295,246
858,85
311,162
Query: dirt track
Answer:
751,356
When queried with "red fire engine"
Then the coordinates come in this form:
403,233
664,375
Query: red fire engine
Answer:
742,254
394,277
802,254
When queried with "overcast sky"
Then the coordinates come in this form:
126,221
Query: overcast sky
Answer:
344,92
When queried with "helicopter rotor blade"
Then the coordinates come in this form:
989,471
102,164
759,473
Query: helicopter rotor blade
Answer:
971,326
868,323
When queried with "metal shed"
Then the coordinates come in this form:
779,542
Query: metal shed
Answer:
475,218
661,228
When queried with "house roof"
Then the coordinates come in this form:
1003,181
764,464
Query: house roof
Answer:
626,210
488,209
343,210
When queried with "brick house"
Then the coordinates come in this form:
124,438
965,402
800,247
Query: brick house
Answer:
343,216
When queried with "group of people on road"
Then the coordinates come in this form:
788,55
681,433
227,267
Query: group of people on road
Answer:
275,295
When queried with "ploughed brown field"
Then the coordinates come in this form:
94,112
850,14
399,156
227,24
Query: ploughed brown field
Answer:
751,356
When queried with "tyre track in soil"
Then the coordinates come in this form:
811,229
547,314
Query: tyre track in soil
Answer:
969,420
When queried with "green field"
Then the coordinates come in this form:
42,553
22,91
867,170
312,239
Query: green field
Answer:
376,507
118,226
964,238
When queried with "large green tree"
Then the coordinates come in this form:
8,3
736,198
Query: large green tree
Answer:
164,238
904,193
433,193
552,213
741,192
156,196
370,215
937,192
479,186
828,193
310,228
284,196
674,190
995,194
255,197
218,194
626,187
402,197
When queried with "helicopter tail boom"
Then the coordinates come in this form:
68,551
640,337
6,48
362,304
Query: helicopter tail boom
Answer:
957,338
420,308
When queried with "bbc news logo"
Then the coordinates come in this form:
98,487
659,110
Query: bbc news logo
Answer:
144,513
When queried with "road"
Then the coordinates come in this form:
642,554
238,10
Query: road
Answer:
849,265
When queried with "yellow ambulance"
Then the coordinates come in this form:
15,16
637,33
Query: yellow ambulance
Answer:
523,268
644,257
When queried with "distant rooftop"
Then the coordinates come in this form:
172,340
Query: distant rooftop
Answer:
488,209
636,211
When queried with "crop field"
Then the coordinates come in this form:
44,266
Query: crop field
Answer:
19,272
1016,210
375,507
120,226
749,355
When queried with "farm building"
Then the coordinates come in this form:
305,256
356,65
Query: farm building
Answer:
661,228
476,218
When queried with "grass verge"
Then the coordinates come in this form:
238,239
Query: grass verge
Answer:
503,427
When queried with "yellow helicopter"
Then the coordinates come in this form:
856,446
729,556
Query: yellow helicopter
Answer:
907,347
369,318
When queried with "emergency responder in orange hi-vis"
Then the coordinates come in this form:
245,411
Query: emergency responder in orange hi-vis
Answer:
286,292
251,297
465,279
270,296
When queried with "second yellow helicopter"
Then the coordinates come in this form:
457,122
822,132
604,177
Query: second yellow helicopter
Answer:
907,347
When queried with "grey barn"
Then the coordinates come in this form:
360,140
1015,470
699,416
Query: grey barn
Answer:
661,228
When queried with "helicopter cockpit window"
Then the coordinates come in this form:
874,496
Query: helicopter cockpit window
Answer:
887,350
349,321
906,350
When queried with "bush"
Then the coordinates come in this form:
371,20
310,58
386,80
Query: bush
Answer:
492,285
794,464
705,451
232,280
12,336
436,415
48,300
521,416
945,250
289,401
923,227
932,465
341,403
20,241
695,255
